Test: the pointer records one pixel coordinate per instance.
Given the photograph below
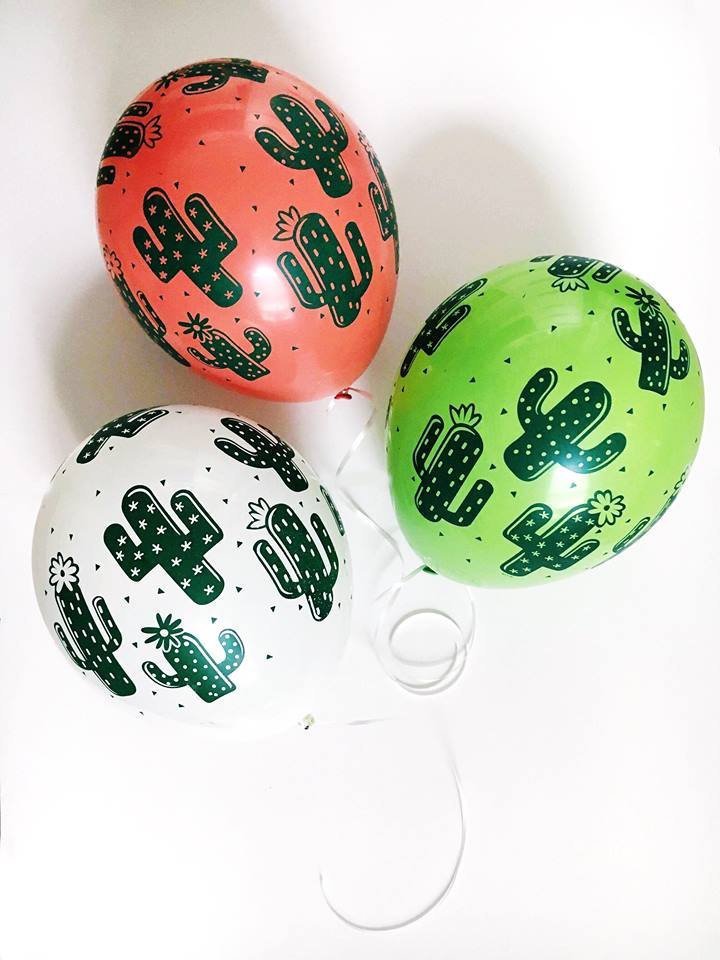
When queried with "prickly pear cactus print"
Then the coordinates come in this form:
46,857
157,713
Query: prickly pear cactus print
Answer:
591,398
254,229
129,425
211,75
134,129
172,596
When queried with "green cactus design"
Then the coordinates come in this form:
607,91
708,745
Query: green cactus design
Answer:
163,543
196,248
262,449
216,72
440,323
140,307
443,474
297,569
132,131
646,523
653,343
89,646
128,425
328,264
315,147
333,510
225,354
194,666
559,546
382,201
554,437
569,271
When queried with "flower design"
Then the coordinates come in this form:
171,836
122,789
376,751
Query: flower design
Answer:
165,634
112,262
167,79
606,508
645,301
199,328
63,572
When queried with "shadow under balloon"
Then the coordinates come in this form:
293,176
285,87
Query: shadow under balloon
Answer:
467,201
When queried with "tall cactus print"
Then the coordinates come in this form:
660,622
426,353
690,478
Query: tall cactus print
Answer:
128,425
553,437
91,644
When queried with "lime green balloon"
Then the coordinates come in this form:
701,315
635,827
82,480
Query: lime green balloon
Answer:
543,420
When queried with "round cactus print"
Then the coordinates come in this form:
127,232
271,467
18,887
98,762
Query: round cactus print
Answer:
544,418
249,228
191,562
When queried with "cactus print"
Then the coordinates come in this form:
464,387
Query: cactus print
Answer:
553,437
653,343
295,564
223,353
192,663
177,548
441,322
262,449
216,73
128,425
91,644
560,545
569,272
382,202
133,130
195,247
315,147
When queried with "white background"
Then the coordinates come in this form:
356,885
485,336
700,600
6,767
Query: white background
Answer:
586,728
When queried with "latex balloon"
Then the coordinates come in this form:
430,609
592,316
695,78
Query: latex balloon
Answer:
249,228
190,561
544,418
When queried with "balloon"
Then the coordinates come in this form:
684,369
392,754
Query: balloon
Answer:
191,562
544,418
249,228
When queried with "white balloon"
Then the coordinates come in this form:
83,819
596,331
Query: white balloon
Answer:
191,562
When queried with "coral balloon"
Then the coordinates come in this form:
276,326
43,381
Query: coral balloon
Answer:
190,562
544,418
249,228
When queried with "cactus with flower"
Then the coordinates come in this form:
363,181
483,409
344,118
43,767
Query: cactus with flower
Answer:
224,353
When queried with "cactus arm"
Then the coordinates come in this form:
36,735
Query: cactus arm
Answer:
69,649
328,546
208,361
273,144
234,651
170,680
679,367
421,454
187,506
362,257
624,328
259,342
298,279
528,521
108,623
336,128
125,555
538,387
475,499
200,211
333,510
601,455
276,568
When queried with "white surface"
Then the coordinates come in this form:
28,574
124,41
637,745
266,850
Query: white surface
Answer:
586,728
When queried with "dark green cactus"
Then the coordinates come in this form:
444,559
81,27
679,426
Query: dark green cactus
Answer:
333,510
216,72
569,271
554,437
193,665
225,354
382,201
646,523
132,131
327,262
315,148
140,307
128,425
89,646
297,569
262,449
442,474
196,248
440,323
653,343
163,543
560,546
